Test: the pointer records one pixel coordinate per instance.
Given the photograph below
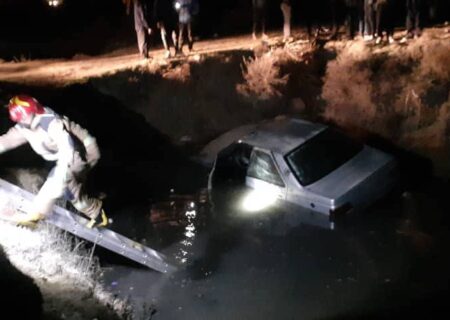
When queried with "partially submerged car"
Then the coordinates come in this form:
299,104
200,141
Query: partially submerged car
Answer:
314,166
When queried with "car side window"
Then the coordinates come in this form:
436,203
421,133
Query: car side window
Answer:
263,167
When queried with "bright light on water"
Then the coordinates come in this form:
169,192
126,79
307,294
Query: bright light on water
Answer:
189,233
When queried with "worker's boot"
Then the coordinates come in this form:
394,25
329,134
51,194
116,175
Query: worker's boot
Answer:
103,223
29,220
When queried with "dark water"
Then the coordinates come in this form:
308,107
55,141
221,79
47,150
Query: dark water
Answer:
388,261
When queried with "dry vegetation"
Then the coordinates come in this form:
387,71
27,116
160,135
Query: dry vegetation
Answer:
399,92
67,274
262,77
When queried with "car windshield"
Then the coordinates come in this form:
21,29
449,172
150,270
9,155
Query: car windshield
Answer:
320,155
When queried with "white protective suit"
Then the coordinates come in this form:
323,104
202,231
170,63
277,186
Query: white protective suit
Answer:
72,149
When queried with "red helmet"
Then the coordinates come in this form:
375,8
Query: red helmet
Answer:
22,105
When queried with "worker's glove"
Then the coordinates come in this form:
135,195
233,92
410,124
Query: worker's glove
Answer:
29,220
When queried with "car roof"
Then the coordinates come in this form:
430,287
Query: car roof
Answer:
283,135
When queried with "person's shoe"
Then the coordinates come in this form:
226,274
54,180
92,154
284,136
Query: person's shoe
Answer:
368,37
105,220
404,40
254,36
391,40
167,54
146,56
378,41
29,220
103,223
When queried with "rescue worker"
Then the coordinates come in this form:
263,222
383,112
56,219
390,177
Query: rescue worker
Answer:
62,141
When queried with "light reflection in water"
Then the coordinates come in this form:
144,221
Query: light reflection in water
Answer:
189,233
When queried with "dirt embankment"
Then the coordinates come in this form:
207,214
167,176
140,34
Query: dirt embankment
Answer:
399,92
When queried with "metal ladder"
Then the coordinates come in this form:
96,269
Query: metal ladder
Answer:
76,225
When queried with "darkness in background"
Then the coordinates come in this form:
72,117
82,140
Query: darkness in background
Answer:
32,29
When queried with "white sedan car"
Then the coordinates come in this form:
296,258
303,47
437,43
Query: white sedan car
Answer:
311,165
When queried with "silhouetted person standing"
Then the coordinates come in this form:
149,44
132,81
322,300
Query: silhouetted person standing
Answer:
259,17
184,9
286,9
140,24
352,11
166,21
384,20
369,23
413,18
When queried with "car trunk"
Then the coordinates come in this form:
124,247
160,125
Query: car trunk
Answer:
365,177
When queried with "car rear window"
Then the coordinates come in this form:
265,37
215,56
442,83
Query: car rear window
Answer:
321,155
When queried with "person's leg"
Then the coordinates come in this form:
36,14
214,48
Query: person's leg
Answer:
263,22
289,20
189,35
381,22
409,18
46,198
181,27
389,21
361,18
351,21
142,42
368,18
255,19
417,10
286,10
334,19
163,32
378,21
77,195
75,190
141,32
173,35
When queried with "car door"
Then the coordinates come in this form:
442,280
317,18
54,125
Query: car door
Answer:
264,174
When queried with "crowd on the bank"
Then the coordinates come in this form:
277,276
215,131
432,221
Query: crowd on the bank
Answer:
373,20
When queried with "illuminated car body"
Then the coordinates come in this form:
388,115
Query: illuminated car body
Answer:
309,165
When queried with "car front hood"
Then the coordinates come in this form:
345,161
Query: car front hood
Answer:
352,174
